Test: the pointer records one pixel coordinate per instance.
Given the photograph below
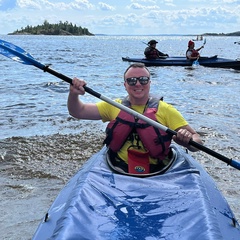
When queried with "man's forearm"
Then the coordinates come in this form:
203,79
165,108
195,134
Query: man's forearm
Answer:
74,105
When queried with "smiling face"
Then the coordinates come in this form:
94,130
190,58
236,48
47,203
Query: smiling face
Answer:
138,94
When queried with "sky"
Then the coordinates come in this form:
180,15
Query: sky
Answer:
125,17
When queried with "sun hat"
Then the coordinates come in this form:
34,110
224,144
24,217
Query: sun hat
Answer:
152,42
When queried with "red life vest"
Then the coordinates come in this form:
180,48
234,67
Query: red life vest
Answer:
194,53
152,54
155,140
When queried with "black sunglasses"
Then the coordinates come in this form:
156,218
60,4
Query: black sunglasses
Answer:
133,80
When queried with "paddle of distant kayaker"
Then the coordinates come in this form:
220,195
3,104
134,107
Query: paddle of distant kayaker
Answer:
129,138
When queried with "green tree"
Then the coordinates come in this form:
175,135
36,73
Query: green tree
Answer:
46,28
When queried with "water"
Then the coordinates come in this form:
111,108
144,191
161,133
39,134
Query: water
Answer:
41,146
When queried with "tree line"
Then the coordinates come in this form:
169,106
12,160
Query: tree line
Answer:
61,28
223,34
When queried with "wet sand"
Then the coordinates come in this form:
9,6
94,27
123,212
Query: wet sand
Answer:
33,171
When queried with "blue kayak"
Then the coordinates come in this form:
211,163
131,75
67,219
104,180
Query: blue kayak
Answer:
214,62
98,203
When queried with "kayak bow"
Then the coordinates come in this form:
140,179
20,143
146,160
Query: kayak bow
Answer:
183,203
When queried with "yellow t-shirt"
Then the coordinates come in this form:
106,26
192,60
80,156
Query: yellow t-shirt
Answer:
167,115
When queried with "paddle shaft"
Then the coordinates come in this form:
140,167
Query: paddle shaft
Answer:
164,128
46,68
145,43
196,61
144,118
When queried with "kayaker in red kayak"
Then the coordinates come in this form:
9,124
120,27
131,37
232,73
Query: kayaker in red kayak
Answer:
192,53
151,52
132,139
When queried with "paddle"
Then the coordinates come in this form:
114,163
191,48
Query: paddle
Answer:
196,62
17,54
145,43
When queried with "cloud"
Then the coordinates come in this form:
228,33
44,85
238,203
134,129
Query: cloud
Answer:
192,20
125,16
106,7
29,4
231,1
145,1
137,6
81,4
58,5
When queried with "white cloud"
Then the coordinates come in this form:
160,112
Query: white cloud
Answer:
125,16
137,6
29,4
82,4
145,1
57,5
106,7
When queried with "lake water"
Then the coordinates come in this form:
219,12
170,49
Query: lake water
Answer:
41,146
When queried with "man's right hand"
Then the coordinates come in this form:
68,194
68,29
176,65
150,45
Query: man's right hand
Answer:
77,86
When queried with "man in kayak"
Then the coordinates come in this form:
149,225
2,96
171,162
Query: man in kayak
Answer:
191,53
151,52
128,138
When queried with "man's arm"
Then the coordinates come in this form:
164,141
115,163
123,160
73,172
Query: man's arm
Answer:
76,107
161,54
199,48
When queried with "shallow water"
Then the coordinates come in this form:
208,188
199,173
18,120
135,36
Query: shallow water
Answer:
41,146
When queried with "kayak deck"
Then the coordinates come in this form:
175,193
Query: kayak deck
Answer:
183,203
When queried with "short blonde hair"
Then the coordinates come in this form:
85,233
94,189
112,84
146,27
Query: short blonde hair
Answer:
136,65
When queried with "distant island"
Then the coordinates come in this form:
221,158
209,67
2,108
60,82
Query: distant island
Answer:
66,28
47,28
233,34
